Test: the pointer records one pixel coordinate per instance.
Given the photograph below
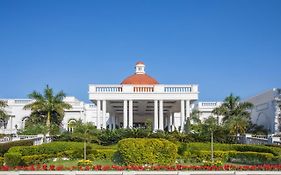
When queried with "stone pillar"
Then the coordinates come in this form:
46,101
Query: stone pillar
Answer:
161,116
98,114
155,123
182,119
170,127
104,114
187,109
131,113
125,114
110,121
113,122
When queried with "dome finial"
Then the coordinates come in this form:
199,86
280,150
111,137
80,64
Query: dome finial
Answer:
140,68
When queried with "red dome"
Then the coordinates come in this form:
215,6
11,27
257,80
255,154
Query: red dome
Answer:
140,79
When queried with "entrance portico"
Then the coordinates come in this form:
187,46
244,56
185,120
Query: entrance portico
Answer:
140,98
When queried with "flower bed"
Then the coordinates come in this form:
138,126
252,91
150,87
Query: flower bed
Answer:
143,168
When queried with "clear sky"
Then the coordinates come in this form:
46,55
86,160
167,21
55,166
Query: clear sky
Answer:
223,45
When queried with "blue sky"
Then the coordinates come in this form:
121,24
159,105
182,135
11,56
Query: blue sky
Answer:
223,45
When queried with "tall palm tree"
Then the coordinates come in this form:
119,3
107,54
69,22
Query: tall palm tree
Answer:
232,107
3,114
48,104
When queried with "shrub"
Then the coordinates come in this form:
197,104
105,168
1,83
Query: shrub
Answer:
147,151
102,154
35,159
4,147
51,148
249,157
200,156
13,159
1,161
255,148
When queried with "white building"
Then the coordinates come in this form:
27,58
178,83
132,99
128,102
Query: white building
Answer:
139,98
266,110
18,115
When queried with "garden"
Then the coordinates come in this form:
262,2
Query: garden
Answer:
204,145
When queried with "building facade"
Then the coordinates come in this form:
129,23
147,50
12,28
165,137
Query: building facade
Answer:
18,115
266,110
140,98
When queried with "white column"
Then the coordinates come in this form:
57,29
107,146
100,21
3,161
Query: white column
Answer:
131,113
171,122
182,115
125,114
98,114
104,114
11,122
161,120
110,121
155,115
113,121
187,109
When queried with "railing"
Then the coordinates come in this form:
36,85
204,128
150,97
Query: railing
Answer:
143,88
209,104
177,89
108,89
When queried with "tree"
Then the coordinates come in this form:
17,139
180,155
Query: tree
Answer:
237,125
232,107
3,114
193,121
48,105
85,131
211,124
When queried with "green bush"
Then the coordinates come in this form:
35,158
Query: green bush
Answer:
147,151
250,157
13,159
50,148
1,161
200,156
102,154
4,147
35,159
255,148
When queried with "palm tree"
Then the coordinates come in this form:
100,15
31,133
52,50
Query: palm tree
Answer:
237,125
48,104
232,107
3,114
85,131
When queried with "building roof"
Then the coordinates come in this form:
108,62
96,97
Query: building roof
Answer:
140,79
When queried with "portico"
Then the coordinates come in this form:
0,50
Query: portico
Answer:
140,98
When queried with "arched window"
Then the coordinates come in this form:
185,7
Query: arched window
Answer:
70,125
23,121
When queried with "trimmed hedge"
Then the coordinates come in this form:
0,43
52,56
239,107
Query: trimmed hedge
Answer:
136,151
4,147
50,148
102,154
35,159
250,157
12,159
